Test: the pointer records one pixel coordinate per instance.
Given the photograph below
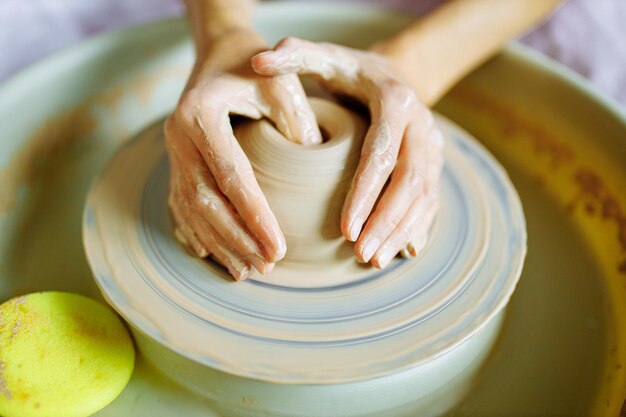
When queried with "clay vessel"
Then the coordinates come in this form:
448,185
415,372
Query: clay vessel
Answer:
306,186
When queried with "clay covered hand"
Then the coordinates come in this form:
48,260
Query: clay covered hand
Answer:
402,146
215,199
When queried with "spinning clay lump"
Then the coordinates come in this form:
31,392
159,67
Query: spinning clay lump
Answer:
61,354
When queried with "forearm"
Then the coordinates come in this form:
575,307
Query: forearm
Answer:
437,50
210,19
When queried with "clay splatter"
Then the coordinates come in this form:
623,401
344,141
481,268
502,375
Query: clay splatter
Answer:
4,389
52,137
59,133
543,141
593,191
593,195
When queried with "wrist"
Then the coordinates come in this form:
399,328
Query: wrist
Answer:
233,42
231,50
211,20
402,54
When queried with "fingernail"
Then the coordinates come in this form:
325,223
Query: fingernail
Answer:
383,260
258,262
282,250
355,229
242,274
275,252
369,248
199,249
260,55
268,268
255,60
179,236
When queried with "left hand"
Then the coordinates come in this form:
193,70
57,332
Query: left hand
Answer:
217,204
403,145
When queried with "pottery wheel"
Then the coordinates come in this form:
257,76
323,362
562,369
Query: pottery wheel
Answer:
307,323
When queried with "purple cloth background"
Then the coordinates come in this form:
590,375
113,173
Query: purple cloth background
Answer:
589,36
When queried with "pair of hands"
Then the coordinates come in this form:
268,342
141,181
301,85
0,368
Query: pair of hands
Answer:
215,199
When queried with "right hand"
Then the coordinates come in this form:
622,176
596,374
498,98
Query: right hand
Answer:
394,194
216,202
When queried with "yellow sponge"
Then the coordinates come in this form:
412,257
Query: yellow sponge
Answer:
61,354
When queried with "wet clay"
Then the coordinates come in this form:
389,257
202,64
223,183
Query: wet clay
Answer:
306,186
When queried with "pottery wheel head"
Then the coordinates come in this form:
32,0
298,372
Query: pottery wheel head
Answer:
320,317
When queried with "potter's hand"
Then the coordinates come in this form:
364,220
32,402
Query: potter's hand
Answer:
402,145
216,202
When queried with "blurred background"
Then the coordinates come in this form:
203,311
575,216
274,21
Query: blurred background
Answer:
588,36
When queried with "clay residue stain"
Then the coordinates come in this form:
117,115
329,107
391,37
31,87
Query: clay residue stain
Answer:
58,134
53,136
4,388
109,99
16,318
592,192
100,333
592,195
143,87
248,401
15,329
87,328
14,315
543,141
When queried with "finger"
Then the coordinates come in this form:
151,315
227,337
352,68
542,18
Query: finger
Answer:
235,266
207,201
408,251
417,243
405,186
420,238
224,220
234,176
435,157
183,231
413,227
435,166
378,159
423,210
290,110
220,250
294,55
204,236
201,243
